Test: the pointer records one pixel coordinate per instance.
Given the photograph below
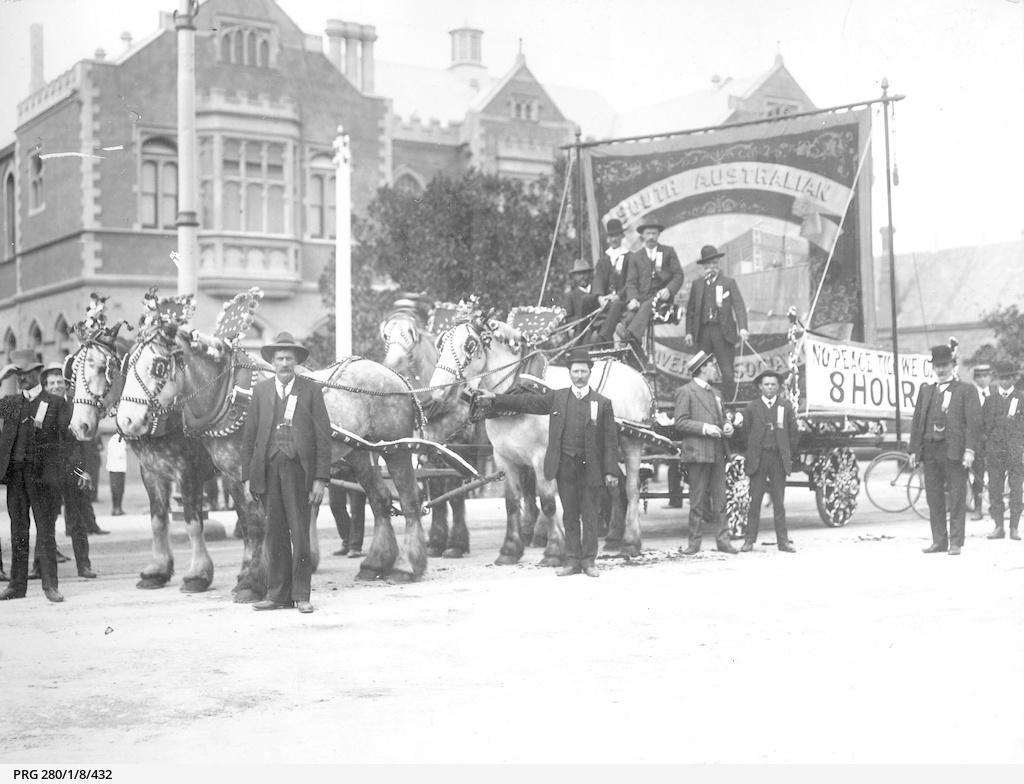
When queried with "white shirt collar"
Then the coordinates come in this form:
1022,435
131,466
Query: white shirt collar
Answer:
769,401
581,392
651,252
32,394
285,390
701,383
1006,392
585,289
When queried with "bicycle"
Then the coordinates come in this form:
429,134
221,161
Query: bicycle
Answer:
893,486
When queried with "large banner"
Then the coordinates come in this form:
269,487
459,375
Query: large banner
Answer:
860,380
775,198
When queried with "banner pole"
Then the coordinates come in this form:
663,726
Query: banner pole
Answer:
554,234
579,194
892,264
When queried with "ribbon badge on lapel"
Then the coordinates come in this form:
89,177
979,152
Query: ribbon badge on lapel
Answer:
41,413
593,411
1013,407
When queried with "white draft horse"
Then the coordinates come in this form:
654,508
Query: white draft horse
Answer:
164,457
177,367
489,353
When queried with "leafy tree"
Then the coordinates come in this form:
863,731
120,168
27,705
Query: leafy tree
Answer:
477,234
1008,325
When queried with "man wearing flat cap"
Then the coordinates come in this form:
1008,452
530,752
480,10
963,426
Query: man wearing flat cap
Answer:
983,386
1002,418
944,437
716,316
610,281
700,418
33,436
582,454
772,435
653,274
286,460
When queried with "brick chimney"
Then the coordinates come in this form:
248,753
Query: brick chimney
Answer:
35,45
350,49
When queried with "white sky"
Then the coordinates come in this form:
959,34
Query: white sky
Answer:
957,137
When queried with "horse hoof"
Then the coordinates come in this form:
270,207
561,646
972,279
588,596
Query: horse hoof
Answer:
453,552
247,596
148,582
401,577
550,560
367,575
507,560
539,541
435,552
195,584
629,550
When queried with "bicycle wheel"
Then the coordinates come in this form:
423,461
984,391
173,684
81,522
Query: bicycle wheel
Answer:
915,493
886,481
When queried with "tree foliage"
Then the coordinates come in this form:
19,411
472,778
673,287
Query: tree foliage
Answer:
477,234
1008,325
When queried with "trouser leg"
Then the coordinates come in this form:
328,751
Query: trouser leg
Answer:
935,493
996,482
44,511
758,485
116,489
956,481
75,502
277,540
1015,478
18,509
570,482
717,516
777,472
699,475
297,508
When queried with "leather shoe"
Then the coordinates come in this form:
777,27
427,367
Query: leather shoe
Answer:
61,558
725,546
53,594
1013,535
304,607
355,553
787,547
997,533
269,604
3,577
591,571
954,549
342,551
34,575
566,571
935,548
87,573
98,532
747,547
116,512
10,593
692,549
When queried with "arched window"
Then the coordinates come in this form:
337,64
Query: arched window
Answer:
264,56
10,218
225,48
250,47
36,183
64,336
236,48
158,184
35,338
408,185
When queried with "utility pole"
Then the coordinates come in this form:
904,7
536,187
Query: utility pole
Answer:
188,224
342,246
892,263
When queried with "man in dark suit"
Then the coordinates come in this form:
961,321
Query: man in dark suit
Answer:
580,300
944,436
610,281
286,459
653,275
701,420
716,317
1002,417
770,422
983,386
33,428
582,454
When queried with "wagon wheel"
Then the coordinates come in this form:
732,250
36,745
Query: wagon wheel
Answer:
836,482
737,496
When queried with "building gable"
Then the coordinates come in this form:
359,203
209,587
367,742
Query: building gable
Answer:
519,96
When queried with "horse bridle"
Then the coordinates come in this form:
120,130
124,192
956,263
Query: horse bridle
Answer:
483,338
161,369
83,394
405,341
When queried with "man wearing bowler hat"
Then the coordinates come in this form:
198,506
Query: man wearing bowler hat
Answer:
770,422
653,274
610,280
716,316
582,454
700,418
33,434
286,459
1002,417
580,301
944,437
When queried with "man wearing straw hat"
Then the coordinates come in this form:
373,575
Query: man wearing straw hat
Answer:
700,417
33,426
716,316
286,460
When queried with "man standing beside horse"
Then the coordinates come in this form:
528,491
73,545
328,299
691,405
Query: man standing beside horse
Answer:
582,454
286,461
